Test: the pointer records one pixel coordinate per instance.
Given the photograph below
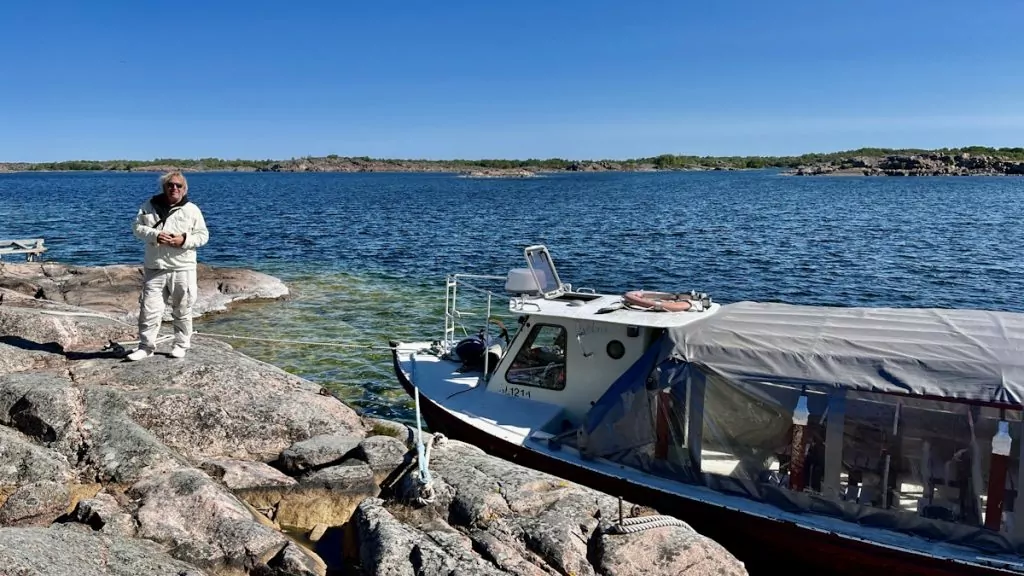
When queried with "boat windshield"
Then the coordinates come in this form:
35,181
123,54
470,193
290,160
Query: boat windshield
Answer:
541,360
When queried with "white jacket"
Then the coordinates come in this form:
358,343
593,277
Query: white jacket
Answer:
184,219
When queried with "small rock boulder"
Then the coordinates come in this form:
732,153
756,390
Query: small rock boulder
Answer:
384,454
317,452
102,512
202,523
244,475
35,504
666,550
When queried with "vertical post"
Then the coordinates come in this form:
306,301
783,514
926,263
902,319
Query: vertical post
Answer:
487,339
926,471
998,464
695,418
892,445
662,432
834,442
797,452
447,311
455,310
1018,504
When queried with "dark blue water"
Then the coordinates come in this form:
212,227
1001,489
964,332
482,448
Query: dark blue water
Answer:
367,253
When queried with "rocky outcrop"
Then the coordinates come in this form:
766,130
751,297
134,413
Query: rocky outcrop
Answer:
66,551
492,517
205,465
114,290
914,165
496,173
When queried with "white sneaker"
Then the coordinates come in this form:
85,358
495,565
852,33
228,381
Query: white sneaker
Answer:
139,354
178,352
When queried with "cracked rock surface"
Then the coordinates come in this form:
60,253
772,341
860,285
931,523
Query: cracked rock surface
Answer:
211,464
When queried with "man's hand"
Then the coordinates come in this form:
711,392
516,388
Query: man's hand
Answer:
170,239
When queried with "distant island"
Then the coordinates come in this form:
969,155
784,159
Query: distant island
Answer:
971,160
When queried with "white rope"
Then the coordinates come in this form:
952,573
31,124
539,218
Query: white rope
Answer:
69,313
303,342
641,523
427,494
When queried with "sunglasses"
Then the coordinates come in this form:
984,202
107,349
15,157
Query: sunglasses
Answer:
174,185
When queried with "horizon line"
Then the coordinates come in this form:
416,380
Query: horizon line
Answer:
863,149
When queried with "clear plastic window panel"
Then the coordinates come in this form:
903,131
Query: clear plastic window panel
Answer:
749,437
928,458
541,360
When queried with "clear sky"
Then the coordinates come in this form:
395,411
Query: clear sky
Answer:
482,79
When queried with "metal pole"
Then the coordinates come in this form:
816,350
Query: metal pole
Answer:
487,340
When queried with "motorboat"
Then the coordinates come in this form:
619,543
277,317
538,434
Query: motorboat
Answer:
799,437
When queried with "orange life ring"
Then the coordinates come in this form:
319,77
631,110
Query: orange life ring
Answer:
659,301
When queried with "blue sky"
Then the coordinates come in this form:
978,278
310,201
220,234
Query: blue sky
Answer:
446,79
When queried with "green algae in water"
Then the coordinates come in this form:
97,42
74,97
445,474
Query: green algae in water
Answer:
353,310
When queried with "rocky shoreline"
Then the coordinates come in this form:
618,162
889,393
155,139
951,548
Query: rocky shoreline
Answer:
914,165
516,173
360,165
115,290
208,465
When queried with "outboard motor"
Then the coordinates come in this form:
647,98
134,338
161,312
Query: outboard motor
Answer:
470,351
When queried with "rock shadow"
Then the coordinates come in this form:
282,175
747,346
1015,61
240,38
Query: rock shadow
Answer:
55,348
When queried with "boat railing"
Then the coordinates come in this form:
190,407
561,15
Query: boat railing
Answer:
453,316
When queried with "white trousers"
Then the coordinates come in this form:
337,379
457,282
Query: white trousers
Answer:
180,288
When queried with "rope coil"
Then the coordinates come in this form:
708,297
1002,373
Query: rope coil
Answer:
641,523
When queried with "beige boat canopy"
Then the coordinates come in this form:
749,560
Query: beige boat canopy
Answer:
967,355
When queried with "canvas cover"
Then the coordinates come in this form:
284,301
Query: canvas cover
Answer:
745,368
954,354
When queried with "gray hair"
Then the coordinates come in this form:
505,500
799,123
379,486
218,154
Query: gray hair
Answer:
165,178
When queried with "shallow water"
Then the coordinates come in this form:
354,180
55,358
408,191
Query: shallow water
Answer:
366,254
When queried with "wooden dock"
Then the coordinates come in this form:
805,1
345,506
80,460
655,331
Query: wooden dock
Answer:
32,248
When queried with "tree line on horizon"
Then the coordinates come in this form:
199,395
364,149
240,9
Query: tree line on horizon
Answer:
663,161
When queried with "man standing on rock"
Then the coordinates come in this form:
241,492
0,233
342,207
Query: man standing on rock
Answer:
172,228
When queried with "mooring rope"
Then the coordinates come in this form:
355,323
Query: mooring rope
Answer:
426,482
641,523
301,342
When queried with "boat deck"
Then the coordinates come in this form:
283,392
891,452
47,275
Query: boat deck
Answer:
508,418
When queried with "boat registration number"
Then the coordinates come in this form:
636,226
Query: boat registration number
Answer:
515,392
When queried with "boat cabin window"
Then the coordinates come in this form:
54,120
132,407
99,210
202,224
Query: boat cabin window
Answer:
930,459
942,470
541,360
748,437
